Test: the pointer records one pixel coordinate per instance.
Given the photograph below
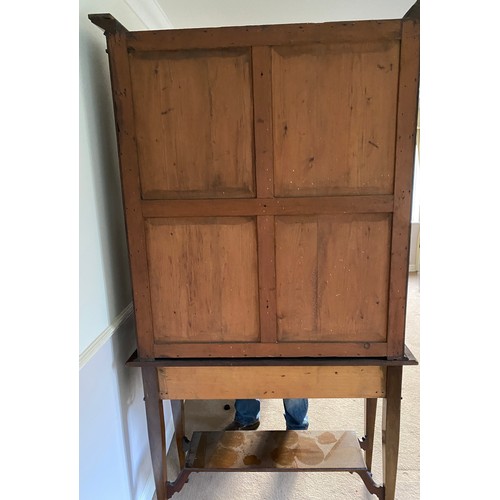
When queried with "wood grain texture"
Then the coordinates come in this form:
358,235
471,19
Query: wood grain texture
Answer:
131,189
263,105
370,419
107,23
266,175
245,36
194,131
265,207
391,422
333,116
403,183
156,428
334,285
204,284
270,350
268,382
267,278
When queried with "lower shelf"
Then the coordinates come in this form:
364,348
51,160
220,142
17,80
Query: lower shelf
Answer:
279,451
275,450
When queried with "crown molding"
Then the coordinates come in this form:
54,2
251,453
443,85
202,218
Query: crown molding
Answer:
150,13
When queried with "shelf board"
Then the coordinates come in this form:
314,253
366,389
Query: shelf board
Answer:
278,451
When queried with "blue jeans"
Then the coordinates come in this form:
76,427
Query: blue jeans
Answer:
248,411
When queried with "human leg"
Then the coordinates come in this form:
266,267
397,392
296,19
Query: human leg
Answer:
296,414
246,415
247,410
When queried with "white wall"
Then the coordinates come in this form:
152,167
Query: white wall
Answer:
104,278
114,455
114,452
197,13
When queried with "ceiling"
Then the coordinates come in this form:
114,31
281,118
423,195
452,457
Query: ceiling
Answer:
202,13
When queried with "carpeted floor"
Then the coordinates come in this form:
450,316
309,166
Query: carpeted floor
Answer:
324,414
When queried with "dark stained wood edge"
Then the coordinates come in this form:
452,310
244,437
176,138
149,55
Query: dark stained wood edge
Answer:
391,422
369,438
263,126
403,185
131,189
177,485
280,34
107,23
178,414
413,12
371,485
323,205
408,360
271,469
267,279
193,448
156,428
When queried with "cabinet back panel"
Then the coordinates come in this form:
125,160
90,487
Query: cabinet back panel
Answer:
267,177
334,127
334,286
194,130
203,275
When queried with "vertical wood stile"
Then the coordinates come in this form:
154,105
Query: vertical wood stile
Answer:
405,155
262,102
129,169
267,278
264,174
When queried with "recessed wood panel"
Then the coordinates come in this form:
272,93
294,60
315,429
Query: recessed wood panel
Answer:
203,275
333,117
334,285
194,123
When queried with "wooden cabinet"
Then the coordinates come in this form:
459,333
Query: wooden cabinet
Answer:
267,176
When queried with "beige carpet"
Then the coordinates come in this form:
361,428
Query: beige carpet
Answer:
324,414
